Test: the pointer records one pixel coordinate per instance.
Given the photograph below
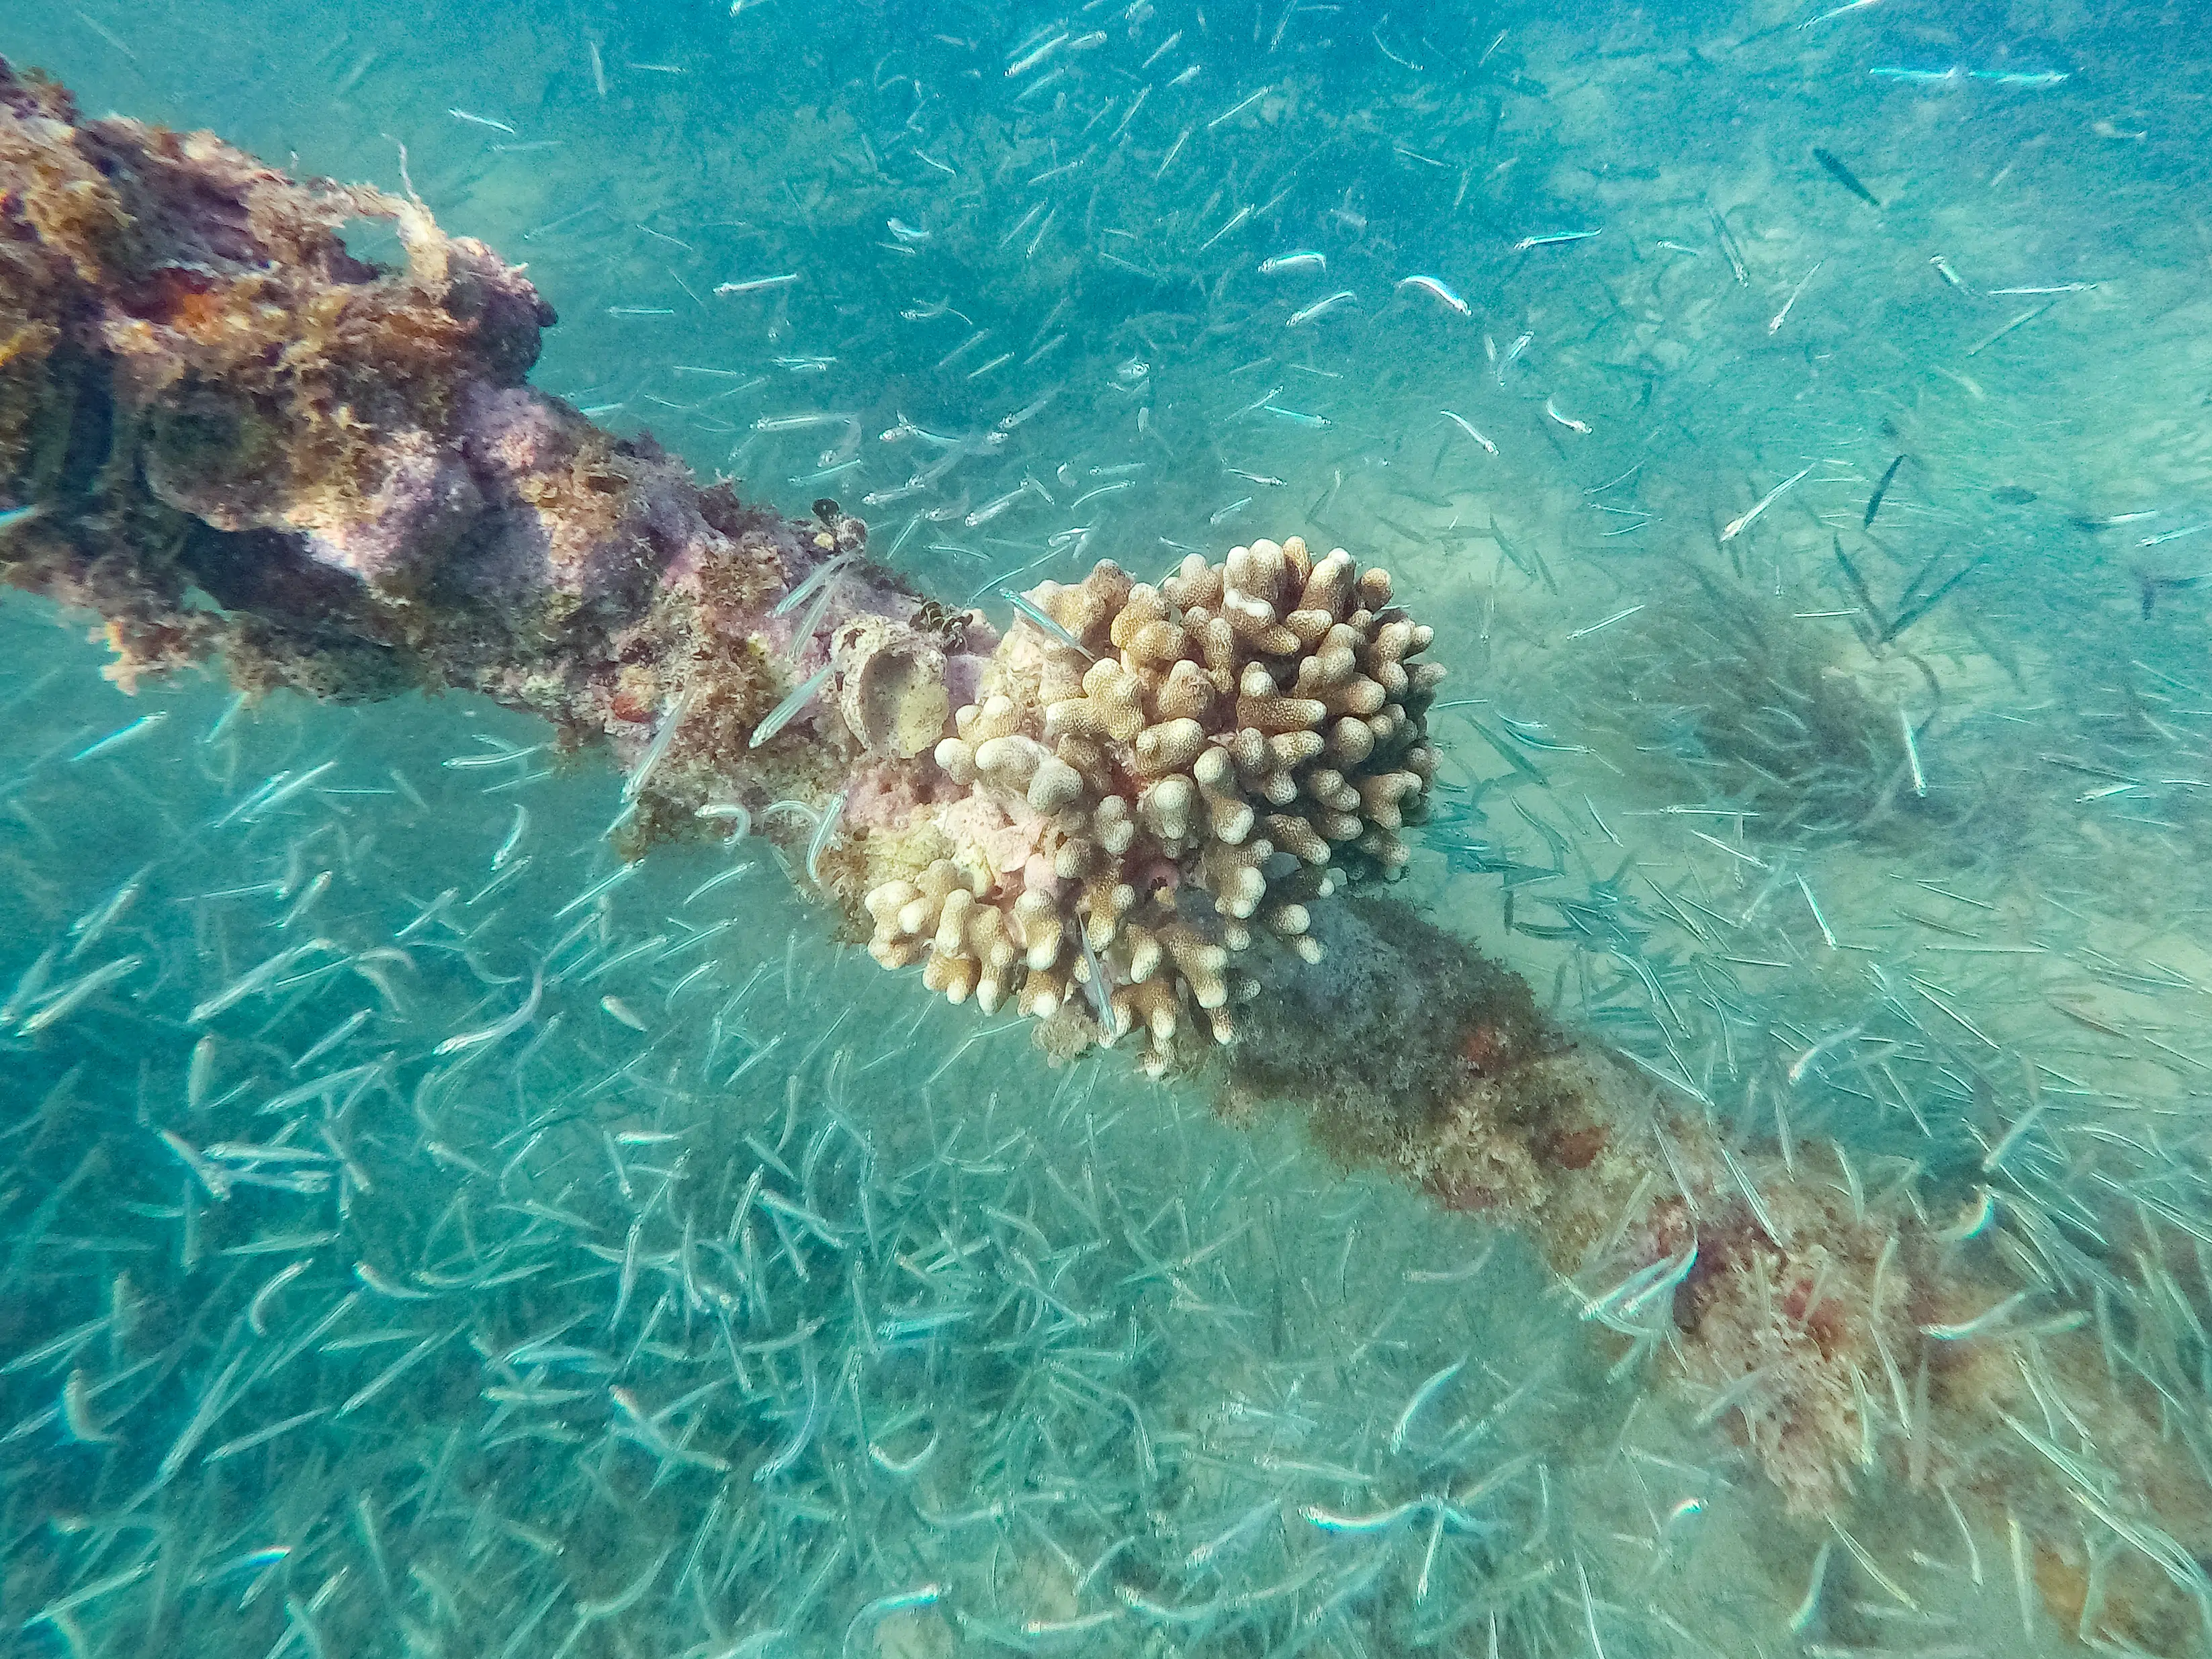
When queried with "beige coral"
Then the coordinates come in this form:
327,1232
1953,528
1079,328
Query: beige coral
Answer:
1156,776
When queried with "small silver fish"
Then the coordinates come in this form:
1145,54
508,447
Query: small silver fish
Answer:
1044,621
1101,1001
1320,308
1566,421
622,1010
116,739
1285,264
1737,526
756,284
1558,239
60,1005
1460,422
1436,286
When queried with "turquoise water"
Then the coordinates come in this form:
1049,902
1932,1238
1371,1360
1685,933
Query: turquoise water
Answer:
1054,1361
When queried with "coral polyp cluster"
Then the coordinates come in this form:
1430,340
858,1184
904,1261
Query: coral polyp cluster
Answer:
1152,777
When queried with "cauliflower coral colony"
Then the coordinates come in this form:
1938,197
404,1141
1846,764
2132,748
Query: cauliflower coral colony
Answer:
1150,777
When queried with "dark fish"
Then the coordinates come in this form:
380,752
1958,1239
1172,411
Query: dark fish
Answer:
1881,489
1858,585
2012,495
2151,587
1843,176
1906,617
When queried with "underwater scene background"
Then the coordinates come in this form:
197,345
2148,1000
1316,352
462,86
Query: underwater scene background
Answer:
1793,421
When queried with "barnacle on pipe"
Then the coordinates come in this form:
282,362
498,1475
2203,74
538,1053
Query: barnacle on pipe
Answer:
1150,779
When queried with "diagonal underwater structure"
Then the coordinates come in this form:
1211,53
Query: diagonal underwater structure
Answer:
1147,815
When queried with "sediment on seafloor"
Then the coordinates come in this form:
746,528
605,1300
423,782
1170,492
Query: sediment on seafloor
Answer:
1136,817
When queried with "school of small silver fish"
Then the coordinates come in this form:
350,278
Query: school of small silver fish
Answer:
422,1234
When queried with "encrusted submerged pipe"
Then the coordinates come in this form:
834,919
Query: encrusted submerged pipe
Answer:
1133,816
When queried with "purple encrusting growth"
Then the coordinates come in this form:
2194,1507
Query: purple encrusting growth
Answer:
246,441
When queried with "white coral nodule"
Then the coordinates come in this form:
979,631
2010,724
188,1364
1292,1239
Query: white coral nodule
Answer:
1134,807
